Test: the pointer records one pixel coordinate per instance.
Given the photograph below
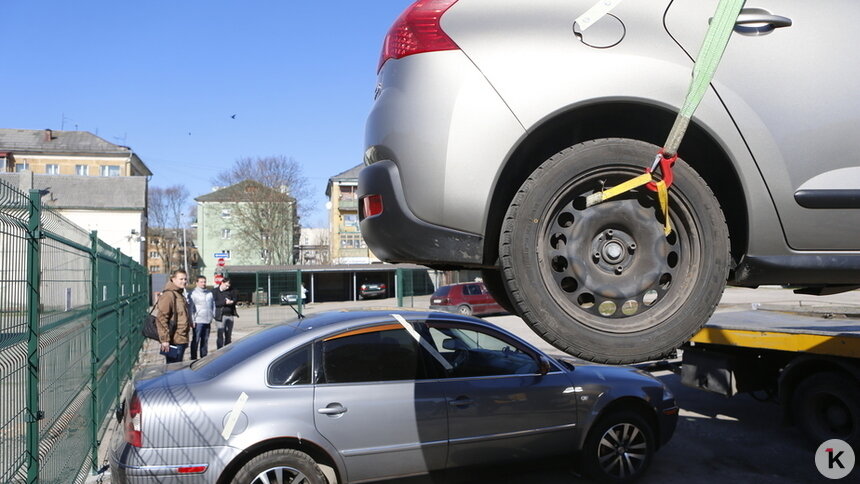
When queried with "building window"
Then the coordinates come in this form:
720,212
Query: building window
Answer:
225,213
350,220
82,170
225,233
110,170
52,169
154,255
352,241
154,269
21,167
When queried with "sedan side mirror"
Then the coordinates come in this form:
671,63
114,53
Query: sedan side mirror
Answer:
544,365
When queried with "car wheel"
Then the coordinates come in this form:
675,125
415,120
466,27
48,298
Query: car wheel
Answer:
619,447
464,309
493,281
827,406
606,283
281,465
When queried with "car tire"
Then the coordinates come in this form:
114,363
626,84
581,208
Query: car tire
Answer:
493,280
619,447
464,309
281,465
827,406
605,283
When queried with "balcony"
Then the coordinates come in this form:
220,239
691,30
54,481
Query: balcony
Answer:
348,204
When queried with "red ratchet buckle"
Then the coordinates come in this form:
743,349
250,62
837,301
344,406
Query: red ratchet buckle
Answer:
665,165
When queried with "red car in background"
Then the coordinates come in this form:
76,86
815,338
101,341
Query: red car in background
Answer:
466,298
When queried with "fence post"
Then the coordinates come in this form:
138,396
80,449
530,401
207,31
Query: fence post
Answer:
117,305
299,290
34,272
398,286
94,342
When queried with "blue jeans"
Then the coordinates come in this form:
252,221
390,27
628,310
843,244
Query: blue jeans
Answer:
225,331
200,338
181,350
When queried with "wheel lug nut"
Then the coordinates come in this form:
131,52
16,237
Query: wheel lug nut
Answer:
619,270
632,247
597,255
608,234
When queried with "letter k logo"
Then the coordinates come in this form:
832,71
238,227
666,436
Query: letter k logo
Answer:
834,459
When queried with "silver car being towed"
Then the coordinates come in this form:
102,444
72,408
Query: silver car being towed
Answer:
494,120
378,395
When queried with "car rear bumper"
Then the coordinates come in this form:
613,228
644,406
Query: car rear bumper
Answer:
140,465
397,235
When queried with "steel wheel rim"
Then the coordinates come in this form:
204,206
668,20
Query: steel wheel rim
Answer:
622,450
832,414
281,475
616,292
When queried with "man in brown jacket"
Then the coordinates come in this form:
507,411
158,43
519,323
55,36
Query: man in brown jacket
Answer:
172,305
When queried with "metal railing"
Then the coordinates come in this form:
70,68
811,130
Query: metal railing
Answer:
70,313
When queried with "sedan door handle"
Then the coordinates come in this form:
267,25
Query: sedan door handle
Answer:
758,21
461,402
332,409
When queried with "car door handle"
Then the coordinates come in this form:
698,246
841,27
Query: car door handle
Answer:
461,402
758,21
332,409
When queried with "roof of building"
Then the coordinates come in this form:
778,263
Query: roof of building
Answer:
64,142
244,191
348,175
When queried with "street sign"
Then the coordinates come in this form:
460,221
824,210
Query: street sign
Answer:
220,263
218,279
221,255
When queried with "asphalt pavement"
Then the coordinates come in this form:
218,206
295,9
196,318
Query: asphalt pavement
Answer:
718,439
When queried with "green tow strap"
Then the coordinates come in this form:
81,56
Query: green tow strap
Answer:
710,54
707,61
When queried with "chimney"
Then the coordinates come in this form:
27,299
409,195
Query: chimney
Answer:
49,135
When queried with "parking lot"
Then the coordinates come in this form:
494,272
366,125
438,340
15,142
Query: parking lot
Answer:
718,439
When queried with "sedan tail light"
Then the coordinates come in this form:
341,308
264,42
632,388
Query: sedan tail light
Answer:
382,286
133,423
417,30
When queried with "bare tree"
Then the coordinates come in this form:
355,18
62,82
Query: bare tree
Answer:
268,205
167,209
280,173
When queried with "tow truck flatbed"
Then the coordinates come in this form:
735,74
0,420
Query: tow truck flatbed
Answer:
809,362
820,333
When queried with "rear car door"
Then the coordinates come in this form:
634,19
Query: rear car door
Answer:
472,295
374,403
790,84
499,406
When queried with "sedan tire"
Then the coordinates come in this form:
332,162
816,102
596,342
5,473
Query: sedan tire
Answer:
619,447
605,283
281,465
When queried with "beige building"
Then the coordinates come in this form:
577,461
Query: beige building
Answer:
48,152
75,170
347,244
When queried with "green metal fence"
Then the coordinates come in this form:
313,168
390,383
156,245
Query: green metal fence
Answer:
411,283
70,313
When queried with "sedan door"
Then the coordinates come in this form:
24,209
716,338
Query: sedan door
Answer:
499,405
374,404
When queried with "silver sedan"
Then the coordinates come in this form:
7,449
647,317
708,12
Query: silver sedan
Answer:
378,395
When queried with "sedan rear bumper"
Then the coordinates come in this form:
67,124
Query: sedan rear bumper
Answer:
135,465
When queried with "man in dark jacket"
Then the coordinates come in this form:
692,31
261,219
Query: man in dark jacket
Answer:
171,305
225,312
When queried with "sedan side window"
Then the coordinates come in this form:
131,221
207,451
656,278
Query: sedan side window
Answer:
474,353
294,368
388,353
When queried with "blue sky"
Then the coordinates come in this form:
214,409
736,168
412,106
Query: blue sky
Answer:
165,78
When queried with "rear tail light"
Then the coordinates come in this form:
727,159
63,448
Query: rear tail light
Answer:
133,423
417,30
363,287
382,286
371,205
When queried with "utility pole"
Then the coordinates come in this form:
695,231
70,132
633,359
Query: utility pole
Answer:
185,250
